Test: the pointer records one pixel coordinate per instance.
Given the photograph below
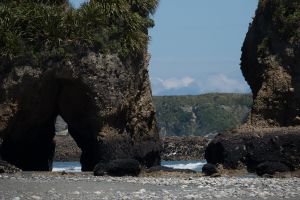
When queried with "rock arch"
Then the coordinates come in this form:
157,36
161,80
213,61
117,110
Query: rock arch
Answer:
106,103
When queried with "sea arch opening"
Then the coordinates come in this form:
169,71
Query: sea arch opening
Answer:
30,143
67,151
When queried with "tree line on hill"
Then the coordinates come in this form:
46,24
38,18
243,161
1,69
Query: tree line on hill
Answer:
201,115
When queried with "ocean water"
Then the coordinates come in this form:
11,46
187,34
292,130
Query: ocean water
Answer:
66,166
195,165
180,164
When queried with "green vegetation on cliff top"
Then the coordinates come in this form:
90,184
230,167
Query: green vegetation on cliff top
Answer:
285,18
201,115
33,31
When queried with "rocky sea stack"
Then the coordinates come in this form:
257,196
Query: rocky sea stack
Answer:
87,65
271,66
271,63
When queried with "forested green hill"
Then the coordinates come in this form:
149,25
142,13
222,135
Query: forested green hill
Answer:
201,115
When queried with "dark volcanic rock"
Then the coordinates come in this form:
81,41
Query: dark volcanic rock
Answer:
100,169
120,167
251,147
271,168
228,149
105,101
209,169
270,63
172,148
5,167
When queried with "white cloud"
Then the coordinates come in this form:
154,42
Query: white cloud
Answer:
189,85
223,83
175,83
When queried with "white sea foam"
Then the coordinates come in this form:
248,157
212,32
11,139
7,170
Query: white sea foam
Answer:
68,169
66,166
76,167
186,166
193,165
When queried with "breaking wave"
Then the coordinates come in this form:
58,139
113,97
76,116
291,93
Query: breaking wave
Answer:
182,164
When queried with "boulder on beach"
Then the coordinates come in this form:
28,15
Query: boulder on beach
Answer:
119,167
251,147
271,168
209,169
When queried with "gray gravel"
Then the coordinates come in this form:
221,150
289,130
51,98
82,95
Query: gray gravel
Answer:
44,186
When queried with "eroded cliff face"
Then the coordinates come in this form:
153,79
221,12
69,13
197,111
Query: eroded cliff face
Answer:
106,103
271,63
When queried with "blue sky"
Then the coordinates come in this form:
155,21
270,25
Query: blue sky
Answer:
196,46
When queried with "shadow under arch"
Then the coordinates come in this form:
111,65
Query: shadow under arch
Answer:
30,145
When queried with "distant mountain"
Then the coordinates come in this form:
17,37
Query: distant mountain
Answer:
202,114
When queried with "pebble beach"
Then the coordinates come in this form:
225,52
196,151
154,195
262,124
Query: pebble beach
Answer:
32,185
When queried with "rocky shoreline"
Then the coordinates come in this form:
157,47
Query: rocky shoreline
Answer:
66,149
183,148
172,148
33,185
